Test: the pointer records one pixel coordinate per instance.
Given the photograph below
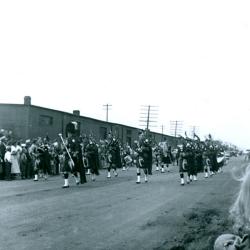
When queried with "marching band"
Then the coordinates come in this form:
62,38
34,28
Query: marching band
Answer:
76,154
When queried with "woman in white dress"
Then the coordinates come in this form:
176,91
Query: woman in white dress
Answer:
15,155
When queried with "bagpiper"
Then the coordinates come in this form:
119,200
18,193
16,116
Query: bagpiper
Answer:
144,160
113,156
92,155
73,162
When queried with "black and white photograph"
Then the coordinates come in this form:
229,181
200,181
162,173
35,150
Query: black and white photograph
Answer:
124,125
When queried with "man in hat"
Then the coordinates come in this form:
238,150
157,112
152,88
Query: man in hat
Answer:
144,160
73,157
92,156
113,156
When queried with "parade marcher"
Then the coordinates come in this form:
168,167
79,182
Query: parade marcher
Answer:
157,156
85,142
91,152
211,156
198,161
190,158
40,164
182,163
144,160
45,162
73,156
197,154
113,156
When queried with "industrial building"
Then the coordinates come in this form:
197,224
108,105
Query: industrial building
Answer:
28,121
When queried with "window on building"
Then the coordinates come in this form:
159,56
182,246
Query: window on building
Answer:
45,120
129,132
103,133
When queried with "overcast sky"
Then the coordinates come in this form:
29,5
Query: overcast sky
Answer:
189,58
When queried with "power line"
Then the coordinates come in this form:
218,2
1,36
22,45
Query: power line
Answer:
107,108
162,131
148,116
176,127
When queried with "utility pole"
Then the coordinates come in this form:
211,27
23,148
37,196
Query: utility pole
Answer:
162,131
176,127
148,116
193,130
106,106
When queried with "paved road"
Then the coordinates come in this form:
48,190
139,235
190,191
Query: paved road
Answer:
106,214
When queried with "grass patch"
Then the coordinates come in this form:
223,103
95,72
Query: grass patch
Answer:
202,228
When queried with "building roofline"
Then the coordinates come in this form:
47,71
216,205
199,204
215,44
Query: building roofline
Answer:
90,118
64,112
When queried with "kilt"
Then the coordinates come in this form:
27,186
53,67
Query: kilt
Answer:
166,160
144,164
66,166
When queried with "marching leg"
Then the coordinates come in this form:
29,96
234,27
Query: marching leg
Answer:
167,167
36,177
115,173
162,169
76,178
66,181
157,164
138,181
191,177
146,175
109,175
206,173
45,174
182,179
93,177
